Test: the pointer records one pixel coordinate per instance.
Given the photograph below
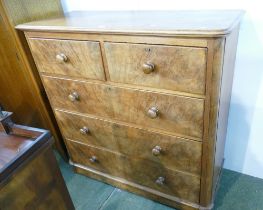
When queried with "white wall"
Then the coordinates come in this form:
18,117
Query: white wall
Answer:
244,148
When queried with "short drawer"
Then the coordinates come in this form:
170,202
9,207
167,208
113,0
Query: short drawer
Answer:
140,171
68,57
177,114
159,66
172,152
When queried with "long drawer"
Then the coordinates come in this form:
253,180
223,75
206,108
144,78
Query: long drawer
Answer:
170,151
140,171
168,67
81,59
177,114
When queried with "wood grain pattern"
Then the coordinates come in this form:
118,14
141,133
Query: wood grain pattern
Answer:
187,94
83,57
29,174
224,103
176,114
222,68
214,73
21,89
10,145
216,69
138,170
180,41
175,68
41,189
15,96
162,23
176,153
17,143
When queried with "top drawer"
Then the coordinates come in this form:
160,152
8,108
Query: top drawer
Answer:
168,67
68,57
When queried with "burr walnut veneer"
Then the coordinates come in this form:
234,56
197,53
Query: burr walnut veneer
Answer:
142,98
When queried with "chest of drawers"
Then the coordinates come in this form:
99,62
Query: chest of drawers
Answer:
142,98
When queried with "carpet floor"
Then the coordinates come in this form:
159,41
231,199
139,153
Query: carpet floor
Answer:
236,192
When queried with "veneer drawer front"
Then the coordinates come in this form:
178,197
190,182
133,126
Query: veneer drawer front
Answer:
170,151
177,114
68,57
168,67
140,171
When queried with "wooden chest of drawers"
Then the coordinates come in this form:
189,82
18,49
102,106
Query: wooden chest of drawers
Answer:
142,98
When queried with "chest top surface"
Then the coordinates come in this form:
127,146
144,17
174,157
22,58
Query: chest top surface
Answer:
204,23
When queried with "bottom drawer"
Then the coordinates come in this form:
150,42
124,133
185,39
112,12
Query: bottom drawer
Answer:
140,171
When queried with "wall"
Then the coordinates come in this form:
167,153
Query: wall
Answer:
244,148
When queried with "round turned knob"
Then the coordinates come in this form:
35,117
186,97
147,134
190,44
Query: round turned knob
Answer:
148,68
153,112
93,159
156,150
74,96
61,58
84,130
160,180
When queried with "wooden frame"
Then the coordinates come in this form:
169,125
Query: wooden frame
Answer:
221,47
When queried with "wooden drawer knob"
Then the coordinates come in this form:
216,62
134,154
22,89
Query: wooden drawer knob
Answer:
148,68
156,150
84,130
153,112
61,58
74,96
160,180
93,159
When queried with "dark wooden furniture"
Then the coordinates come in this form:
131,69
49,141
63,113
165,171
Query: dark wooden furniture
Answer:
21,90
142,97
29,175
